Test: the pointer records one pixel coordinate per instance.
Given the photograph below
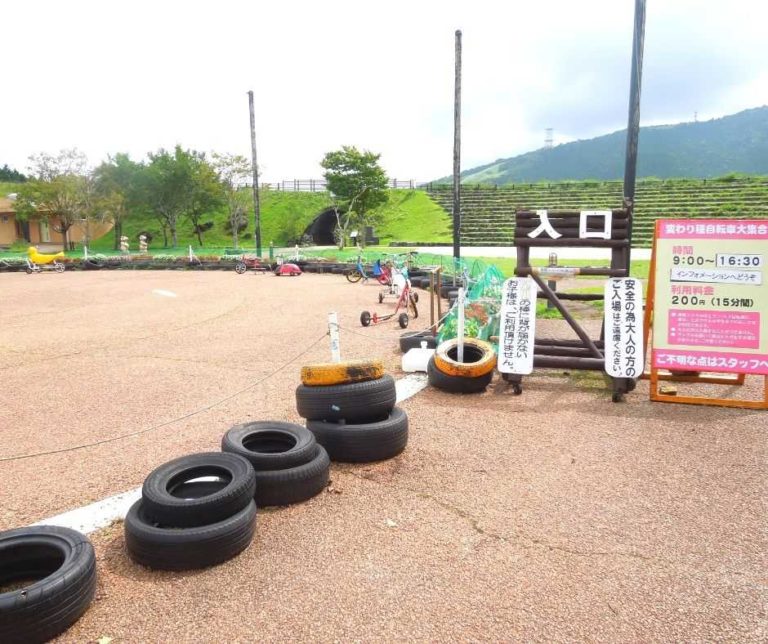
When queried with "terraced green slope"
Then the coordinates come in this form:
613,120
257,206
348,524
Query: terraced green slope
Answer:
488,212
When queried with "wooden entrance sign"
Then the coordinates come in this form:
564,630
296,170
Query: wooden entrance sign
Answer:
708,306
586,228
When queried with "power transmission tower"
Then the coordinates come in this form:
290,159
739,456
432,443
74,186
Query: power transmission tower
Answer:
548,140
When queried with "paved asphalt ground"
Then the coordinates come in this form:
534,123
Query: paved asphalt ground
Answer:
552,516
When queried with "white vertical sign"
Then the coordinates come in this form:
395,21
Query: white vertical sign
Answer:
518,325
624,327
333,331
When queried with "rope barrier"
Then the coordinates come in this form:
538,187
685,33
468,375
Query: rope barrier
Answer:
113,439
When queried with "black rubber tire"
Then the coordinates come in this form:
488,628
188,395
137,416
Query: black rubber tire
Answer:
357,402
365,318
187,548
295,484
163,507
456,384
263,444
381,298
64,565
413,339
363,443
402,320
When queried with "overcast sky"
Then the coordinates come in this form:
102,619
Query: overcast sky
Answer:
135,76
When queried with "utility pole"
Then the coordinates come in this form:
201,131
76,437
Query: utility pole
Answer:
633,124
457,154
255,169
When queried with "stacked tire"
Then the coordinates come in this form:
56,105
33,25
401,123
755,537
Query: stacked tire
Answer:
52,572
472,375
195,511
350,408
289,464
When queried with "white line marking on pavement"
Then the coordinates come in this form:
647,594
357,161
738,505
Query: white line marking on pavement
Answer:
90,518
410,385
96,515
163,292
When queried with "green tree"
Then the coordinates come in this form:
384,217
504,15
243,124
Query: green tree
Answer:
117,187
179,185
234,170
358,185
60,191
11,175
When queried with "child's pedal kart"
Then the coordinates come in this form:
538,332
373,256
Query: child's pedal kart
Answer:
39,262
251,262
288,269
406,302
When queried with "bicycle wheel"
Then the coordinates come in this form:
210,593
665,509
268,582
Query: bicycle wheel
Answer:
353,275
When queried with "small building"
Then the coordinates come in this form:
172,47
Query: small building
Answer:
39,230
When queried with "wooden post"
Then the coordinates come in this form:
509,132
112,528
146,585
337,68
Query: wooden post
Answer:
457,152
255,170
633,124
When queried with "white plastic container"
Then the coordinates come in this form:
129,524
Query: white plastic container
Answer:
417,359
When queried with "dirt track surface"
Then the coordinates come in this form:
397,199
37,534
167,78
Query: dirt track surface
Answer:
552,516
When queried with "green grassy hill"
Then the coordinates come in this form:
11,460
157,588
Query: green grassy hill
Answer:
735,143
409,215
488,213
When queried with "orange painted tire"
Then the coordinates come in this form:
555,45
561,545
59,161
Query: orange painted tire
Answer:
479,358
341,373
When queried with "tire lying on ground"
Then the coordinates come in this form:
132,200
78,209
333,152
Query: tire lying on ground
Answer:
356,402
457,384
170,500
363,443
166,548
479,358
413,339
271,444
341,373
58,568
293,484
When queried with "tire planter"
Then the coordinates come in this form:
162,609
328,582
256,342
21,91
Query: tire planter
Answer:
165,548
170,500
479,358
457,384
294,484
356,402
363,443
63,564
413,339
271,445
341,373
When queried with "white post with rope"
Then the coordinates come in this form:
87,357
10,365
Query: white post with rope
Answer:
460,326
85,252
191,254
333,331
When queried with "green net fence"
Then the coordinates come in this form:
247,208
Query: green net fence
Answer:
481,308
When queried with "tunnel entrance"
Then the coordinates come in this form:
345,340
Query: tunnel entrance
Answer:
322,227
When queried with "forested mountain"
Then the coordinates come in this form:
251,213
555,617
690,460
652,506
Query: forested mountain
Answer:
736,143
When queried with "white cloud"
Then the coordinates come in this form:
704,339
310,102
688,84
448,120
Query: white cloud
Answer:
141,75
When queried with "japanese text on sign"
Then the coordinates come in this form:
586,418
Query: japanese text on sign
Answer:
605,218
518,326
624,328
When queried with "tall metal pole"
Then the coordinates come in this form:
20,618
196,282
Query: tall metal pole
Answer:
457,152
255,169
633,124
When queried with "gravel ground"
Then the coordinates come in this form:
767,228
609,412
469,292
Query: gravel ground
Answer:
552,516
